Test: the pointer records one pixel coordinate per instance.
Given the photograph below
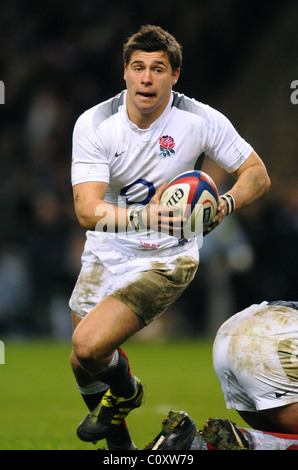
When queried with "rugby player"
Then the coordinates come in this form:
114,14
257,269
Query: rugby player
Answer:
133,265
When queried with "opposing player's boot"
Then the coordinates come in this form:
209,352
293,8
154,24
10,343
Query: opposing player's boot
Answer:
108,415
223,434
178,432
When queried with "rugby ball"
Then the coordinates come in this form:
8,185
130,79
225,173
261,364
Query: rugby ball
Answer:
197,196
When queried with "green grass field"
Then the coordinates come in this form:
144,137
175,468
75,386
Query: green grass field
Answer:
41,407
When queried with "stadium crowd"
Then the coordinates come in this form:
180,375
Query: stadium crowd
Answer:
58,59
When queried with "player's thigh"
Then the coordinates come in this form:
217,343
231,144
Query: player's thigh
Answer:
258,420
285,418
105,328
75,320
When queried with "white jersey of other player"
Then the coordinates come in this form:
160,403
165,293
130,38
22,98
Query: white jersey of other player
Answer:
108,147
255,356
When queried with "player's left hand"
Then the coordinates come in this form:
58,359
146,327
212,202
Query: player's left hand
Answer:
220,215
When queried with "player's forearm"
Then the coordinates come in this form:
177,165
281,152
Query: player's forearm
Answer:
102,216
252,184
105,217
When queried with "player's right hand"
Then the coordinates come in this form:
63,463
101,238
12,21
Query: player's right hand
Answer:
166,219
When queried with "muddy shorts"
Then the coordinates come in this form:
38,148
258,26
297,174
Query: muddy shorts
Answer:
146,284
255,357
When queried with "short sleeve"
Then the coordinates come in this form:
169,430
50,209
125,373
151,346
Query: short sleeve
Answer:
224,145
89,162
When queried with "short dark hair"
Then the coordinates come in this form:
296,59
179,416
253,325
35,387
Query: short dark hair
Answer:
151,39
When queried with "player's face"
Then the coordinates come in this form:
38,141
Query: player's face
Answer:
149,79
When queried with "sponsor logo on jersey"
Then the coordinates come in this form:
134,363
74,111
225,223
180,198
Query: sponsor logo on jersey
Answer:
118,154
279,395
166,146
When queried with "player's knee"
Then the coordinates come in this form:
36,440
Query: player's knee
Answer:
74,363
84,351
88,353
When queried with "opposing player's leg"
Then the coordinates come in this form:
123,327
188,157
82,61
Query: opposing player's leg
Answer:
92,392
96,341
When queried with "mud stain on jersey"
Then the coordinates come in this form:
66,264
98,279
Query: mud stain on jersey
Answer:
154,290
87,287
258,339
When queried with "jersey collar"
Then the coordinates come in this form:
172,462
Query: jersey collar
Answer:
155,123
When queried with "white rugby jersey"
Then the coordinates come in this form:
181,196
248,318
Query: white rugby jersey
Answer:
108,147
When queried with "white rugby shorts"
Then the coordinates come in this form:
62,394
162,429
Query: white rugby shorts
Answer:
255,357
147,283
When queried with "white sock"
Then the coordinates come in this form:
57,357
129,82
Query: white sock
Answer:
263,441
92,388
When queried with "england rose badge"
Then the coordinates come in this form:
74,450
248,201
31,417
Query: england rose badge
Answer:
166,146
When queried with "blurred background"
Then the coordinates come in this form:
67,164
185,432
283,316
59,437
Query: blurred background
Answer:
59,58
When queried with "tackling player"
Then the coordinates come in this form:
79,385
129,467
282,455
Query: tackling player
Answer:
133,267
255,356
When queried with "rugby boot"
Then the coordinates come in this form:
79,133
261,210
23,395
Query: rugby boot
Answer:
108,415
178,432
223,434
